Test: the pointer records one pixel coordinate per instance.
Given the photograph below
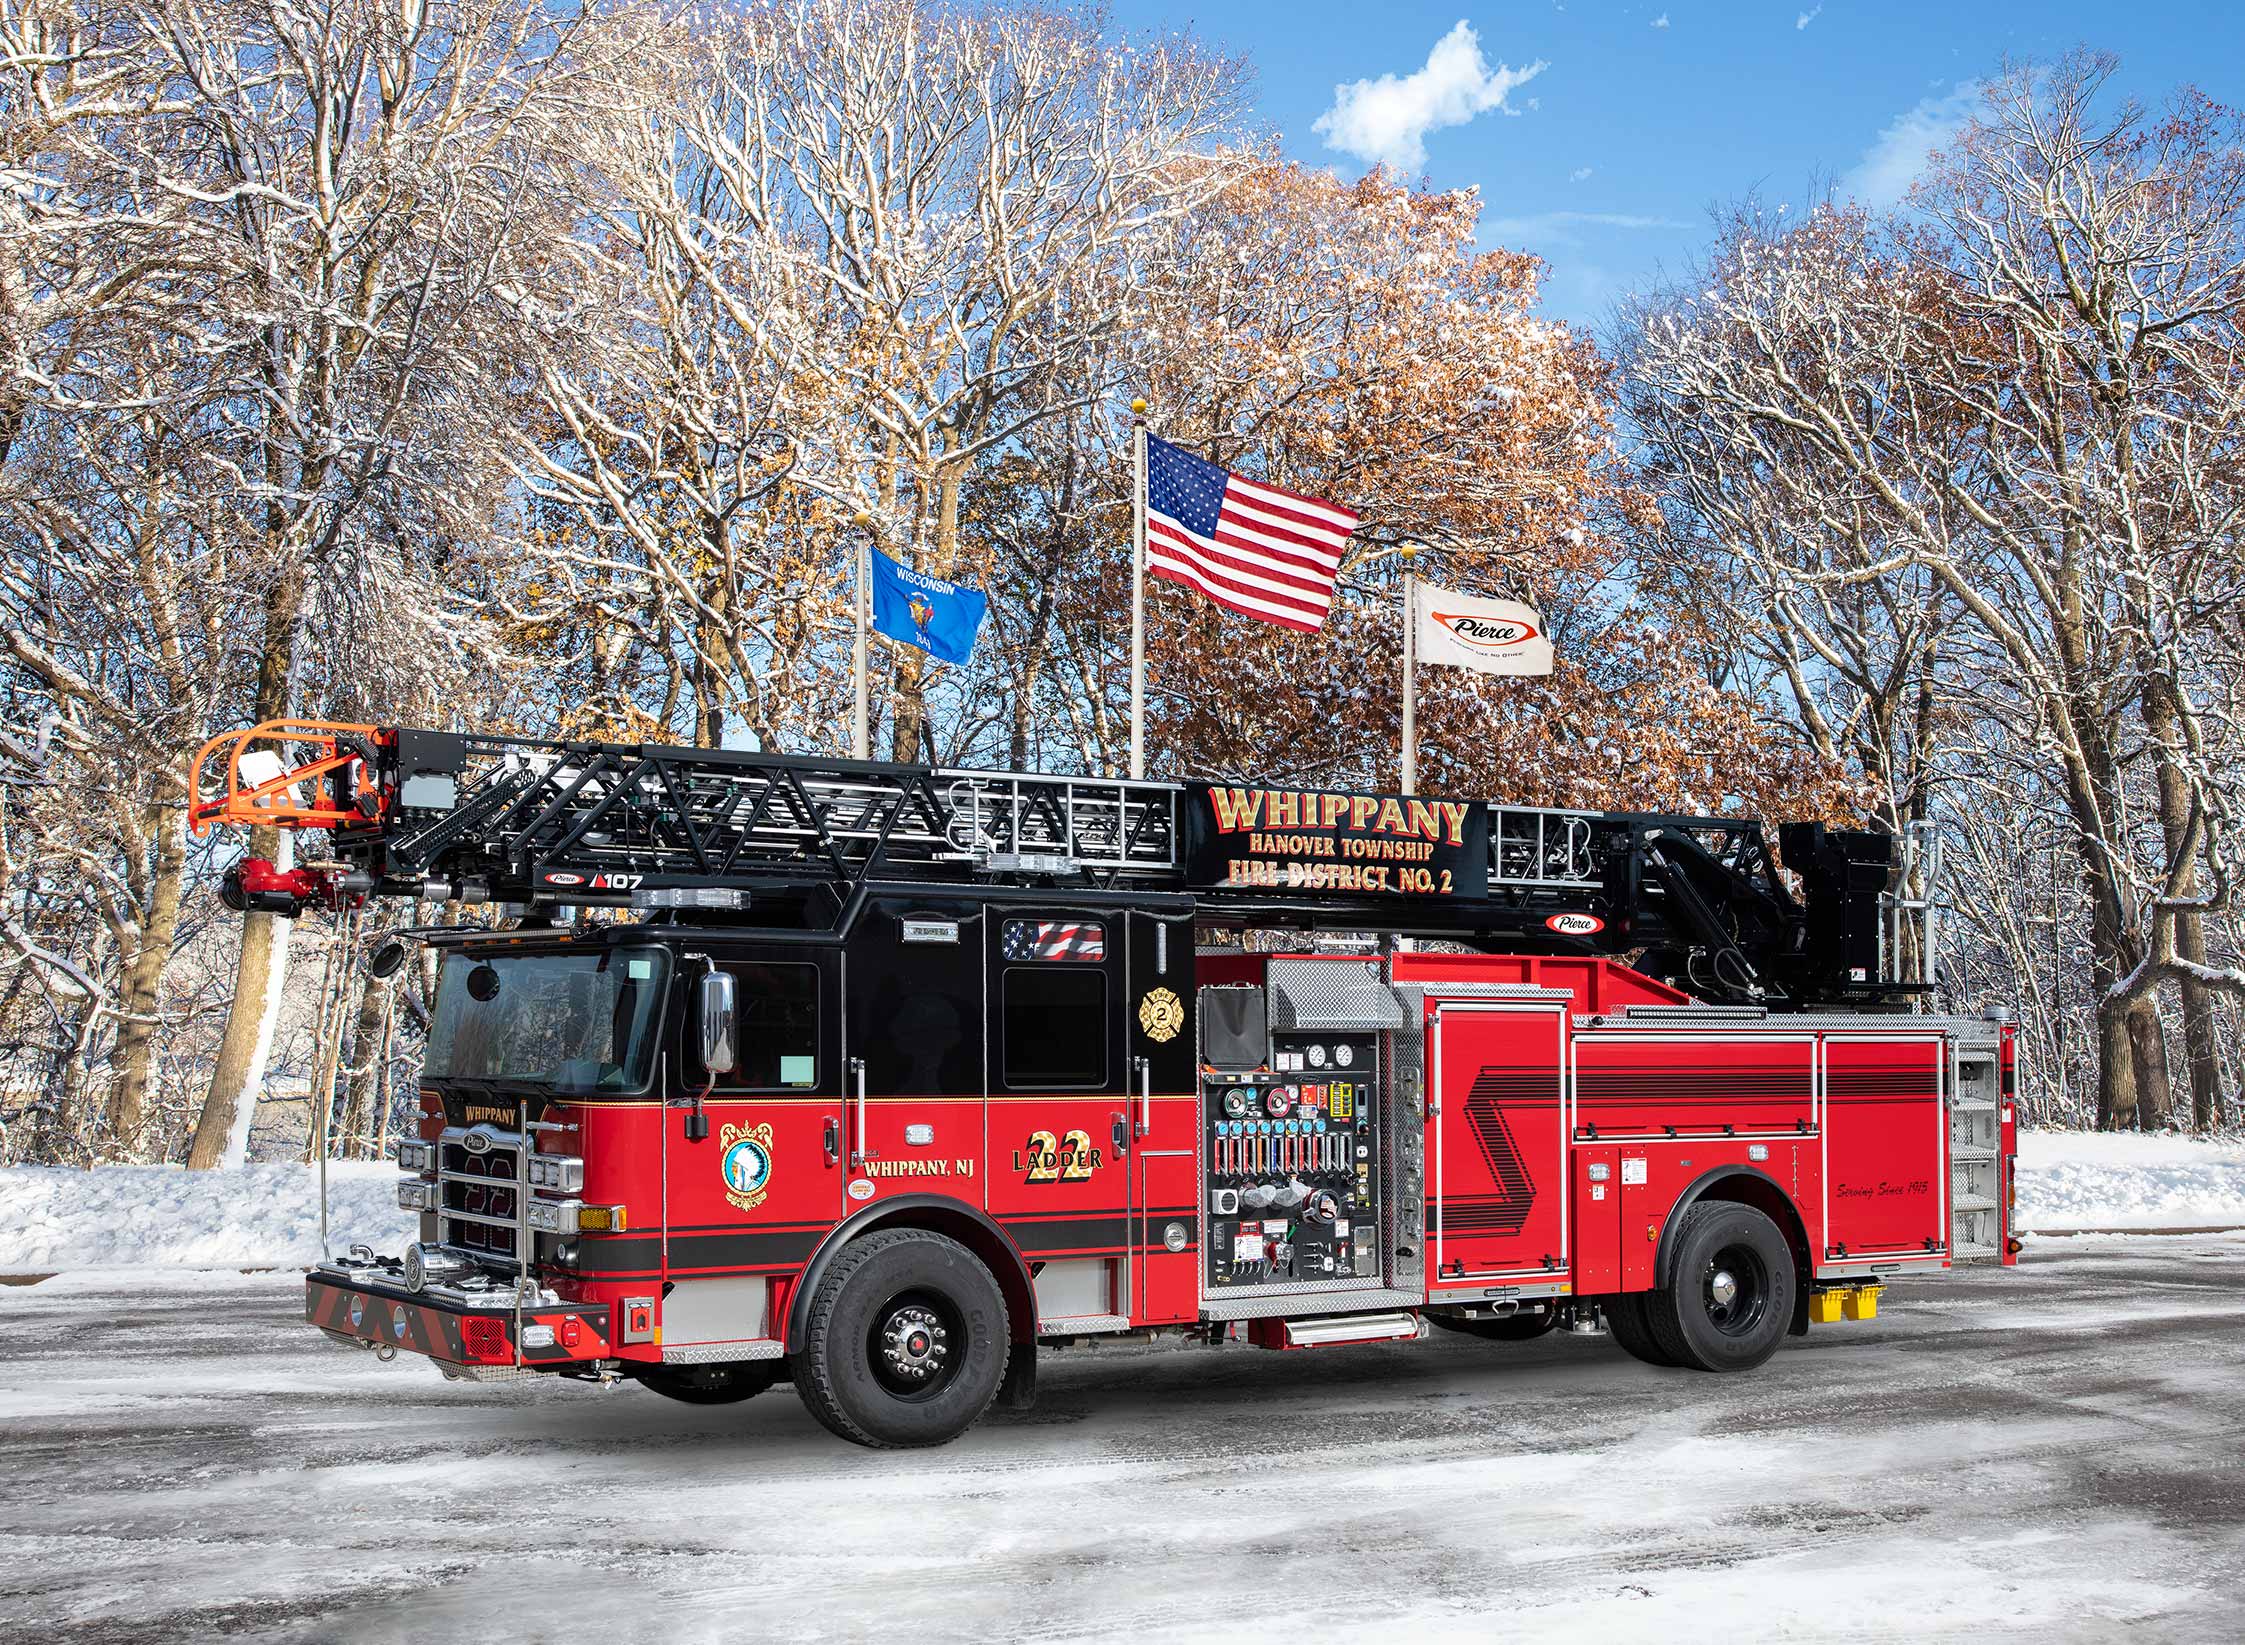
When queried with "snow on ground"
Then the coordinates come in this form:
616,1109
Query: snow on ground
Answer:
2042,1454
125,1216
268,1216
2078,1179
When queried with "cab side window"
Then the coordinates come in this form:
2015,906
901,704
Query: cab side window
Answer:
1054,1005
777,1026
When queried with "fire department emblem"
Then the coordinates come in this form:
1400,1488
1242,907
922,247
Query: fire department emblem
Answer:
745,1157
1161,1014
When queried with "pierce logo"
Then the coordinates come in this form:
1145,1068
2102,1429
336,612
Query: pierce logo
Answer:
565,879
1487,633
1576,925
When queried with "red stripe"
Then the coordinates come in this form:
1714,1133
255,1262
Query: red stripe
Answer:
1176,576
1308,526
1238,559
1302,497
1228,532
1200,576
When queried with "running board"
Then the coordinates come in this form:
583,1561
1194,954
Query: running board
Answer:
1334,1331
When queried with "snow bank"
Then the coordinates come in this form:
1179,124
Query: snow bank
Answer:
255,1216
2076,1179
268,1216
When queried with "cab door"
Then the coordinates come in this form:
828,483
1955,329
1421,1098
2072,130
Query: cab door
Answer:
1064,1086
1164,1124
913,1075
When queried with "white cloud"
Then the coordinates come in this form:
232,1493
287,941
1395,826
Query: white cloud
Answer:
1890,165
1808,17
1580,174
1661,21
1561,229
1386,120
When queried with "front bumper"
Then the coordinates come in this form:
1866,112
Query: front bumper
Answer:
383,1314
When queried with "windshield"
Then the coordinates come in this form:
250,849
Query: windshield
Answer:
570,1022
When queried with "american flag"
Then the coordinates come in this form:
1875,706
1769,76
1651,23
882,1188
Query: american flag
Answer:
1249,547
1054,940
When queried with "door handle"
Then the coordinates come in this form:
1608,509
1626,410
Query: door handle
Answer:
1145,1066
833,1139
1120,1133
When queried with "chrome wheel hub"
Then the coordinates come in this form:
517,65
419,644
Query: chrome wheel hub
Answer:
1722,1287
915,1343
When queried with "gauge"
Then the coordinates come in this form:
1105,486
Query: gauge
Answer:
1317,1056
1278,1100
1343,1055
1235,1103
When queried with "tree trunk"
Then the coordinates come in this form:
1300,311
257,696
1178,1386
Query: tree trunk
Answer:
2116,1073
2147,1043
2201,1042
222,1131
366,1061
142,996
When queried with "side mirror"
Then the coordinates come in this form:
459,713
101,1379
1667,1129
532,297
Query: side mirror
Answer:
713,1015
387,960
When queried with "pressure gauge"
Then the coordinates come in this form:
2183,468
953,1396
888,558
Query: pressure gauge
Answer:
1343,1055
1317,1056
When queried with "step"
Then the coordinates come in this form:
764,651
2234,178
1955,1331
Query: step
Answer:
1971,1202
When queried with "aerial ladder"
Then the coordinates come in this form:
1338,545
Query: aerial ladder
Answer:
794,847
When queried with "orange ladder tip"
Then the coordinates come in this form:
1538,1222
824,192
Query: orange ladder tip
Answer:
287,774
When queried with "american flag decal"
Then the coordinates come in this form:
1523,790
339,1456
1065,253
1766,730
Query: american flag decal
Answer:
1053,940
1251,548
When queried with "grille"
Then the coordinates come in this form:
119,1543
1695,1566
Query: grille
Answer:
476,1200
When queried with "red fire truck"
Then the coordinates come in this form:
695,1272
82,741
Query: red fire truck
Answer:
880,1078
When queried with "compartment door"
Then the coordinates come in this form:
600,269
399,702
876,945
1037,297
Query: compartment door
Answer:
1886,1135
1500,1142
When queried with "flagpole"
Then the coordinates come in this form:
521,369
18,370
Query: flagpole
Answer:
861,733
1138,589
1410,671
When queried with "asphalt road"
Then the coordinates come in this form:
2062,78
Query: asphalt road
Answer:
2051,1453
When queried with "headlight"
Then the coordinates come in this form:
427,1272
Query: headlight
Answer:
417,1157
557,1173
417,1196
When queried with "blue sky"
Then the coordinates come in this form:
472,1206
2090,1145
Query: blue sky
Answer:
1606,159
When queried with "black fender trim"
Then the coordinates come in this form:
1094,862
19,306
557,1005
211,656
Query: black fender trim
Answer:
924,1211
1790,1225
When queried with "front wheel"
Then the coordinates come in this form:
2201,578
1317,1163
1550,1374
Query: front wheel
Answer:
906,1342
1730,1298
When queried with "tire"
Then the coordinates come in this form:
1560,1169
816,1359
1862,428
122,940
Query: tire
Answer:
906,1341
1627,1325
1731,1297
1512,1328
713,1384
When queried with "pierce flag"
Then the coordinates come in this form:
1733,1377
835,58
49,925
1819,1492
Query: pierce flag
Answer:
1493,636
939,617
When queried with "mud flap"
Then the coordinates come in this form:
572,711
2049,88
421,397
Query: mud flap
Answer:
1019,1390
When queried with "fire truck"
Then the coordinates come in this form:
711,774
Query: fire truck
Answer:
882,1078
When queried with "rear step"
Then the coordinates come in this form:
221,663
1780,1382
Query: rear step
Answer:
1334,1331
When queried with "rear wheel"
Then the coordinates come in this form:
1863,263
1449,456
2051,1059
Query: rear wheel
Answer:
712,1384
1626,1323
906,1341
1731,1295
